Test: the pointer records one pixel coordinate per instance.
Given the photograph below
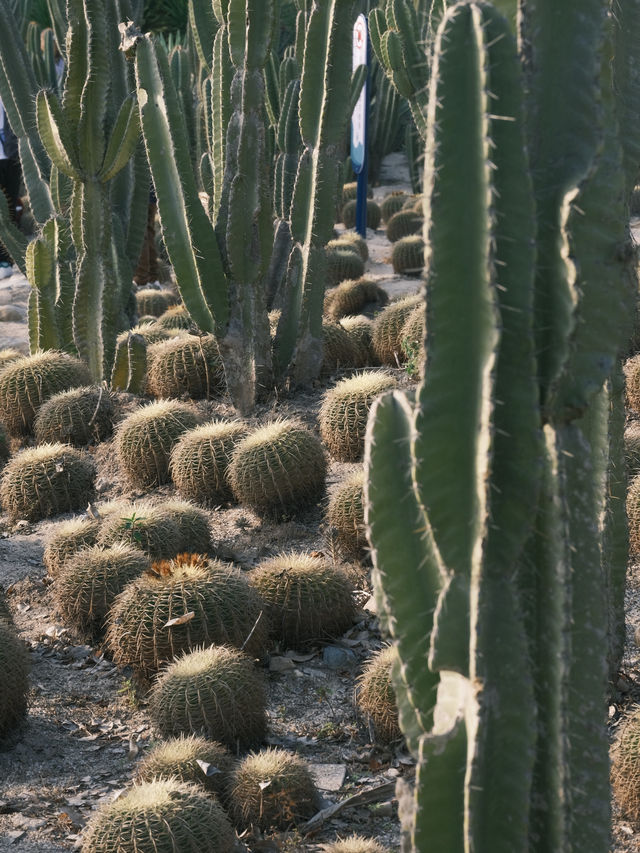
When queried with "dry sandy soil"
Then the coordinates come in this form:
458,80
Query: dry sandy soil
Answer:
87,729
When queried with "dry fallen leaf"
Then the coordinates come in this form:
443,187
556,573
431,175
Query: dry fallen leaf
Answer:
181,620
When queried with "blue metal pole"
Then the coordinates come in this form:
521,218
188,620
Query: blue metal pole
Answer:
360,155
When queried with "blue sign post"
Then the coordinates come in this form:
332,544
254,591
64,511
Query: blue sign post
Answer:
359,124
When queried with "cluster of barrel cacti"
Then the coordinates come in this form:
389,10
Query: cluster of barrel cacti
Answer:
493,501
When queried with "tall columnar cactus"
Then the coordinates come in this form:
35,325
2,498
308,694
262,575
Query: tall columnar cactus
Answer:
509,607
221,266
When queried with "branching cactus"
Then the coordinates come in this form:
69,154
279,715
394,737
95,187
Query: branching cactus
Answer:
84,189
500,612
221,255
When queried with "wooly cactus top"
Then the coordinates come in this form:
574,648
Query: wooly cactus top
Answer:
355,844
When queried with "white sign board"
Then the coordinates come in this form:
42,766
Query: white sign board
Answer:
358,119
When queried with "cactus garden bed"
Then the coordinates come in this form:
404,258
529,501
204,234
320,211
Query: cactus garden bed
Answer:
89,726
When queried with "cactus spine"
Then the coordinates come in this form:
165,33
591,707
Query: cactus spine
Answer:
513,611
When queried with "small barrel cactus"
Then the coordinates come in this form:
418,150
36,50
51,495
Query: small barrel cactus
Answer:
162,816
154,302
67,539
80,416
345,516
186,365
150,528
360,330
188,758
215,692
9,354
272,789
176,317
278,468
5,450
306,598
375,696
407,255
26,383
338,349
200,461
349,191
179,604
632,448
412,338
632,381
193,525
386,340
343,264
355,844
349,214
47,480
633,514
89,582
344,412
14,666
392,203
146,438
151,333
350,240
625,768
351,296
402,224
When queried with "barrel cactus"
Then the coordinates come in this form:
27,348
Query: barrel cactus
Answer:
632,448
343,263
355,844
278,468
151,528
47,480
387,330
145,439
161,816
67,538
200,461
349,214
176,318
14,665
89,582
633,514
403,224
625,768
186,364
154,302
360,330
350,240
188,758
392,203
632,382
180,604
26,383
338,349
306,598
407,255
5,450
351,296
375,696
192,523
9,354
345,515
272,789
79,416
344,412
412,342
215,692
